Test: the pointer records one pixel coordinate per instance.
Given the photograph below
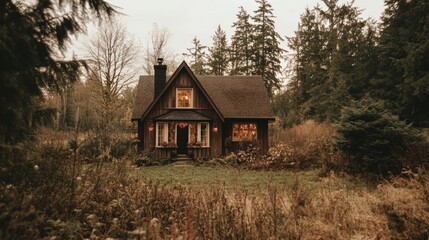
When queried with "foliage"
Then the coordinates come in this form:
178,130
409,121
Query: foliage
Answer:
374,137
241,45
266,46
333,57
147,158
33,35
218,54
403,74
107,202
90,149
112,56
198,57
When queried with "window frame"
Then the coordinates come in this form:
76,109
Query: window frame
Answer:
191,105
207,133
234,139
165,128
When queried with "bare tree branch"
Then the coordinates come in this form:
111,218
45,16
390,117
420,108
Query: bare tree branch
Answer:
112,56
157,46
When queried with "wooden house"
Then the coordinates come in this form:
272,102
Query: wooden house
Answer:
200,116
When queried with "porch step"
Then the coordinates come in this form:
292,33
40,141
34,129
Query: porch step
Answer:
182,157
182,164
182,160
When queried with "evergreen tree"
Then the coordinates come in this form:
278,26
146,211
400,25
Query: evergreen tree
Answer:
404,57
32,36
374,138
241,45
308,64
198,57
333,59
218,54
346,48
266,47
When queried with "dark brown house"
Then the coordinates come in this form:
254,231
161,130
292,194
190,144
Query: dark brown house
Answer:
201,116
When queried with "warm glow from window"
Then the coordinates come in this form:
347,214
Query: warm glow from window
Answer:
244,131
184,97
199,134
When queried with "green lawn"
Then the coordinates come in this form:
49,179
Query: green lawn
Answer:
230,178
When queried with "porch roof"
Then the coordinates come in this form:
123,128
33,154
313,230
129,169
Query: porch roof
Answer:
182,115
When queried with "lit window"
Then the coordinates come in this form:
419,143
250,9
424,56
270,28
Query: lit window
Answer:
184,97
161,134
199,134
244,131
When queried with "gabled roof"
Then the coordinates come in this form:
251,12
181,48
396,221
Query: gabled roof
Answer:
182,115
183,66
232,96
238,96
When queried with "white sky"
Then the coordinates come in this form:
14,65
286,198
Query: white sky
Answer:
188,18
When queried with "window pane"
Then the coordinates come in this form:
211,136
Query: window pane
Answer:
171,133
184,98
161,134
244,131
235,132
252,131
193,133
204,134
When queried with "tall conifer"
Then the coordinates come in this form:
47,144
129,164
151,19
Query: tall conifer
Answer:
266,47
219,53
241,45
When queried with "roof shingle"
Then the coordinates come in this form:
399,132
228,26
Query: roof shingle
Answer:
234,96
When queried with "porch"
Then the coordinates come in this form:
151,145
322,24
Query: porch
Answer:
182,132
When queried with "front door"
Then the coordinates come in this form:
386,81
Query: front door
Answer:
182,139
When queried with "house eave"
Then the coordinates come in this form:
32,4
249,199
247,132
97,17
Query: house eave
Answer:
252,117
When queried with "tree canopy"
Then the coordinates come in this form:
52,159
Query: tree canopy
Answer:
33,35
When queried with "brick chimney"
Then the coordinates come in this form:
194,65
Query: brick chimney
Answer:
160,76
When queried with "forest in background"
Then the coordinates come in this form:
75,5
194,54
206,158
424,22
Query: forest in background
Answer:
354,107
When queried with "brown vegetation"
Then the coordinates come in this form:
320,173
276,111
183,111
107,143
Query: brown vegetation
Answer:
57,194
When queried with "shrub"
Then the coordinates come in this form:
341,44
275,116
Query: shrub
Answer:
90,149
374,137
405,203
122,147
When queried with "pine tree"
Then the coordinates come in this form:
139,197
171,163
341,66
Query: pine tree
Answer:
218,53
266,47
404,55
198,57
374,138
333,59
308,64
33,34
241,45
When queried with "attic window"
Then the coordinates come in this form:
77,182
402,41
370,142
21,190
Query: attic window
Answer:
244,132
184,98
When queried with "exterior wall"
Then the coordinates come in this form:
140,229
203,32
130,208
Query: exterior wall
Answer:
167,103
262,134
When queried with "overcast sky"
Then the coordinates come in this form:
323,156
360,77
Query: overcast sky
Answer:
186,19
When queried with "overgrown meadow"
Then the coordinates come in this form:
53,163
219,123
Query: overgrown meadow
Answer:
73,188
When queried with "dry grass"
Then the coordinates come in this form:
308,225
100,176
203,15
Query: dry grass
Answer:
108,203
302,135
62,198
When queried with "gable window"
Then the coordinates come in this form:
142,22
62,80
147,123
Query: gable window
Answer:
184,97
244,132
161,134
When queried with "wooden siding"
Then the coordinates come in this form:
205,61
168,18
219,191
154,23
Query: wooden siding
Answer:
262,134
167,102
